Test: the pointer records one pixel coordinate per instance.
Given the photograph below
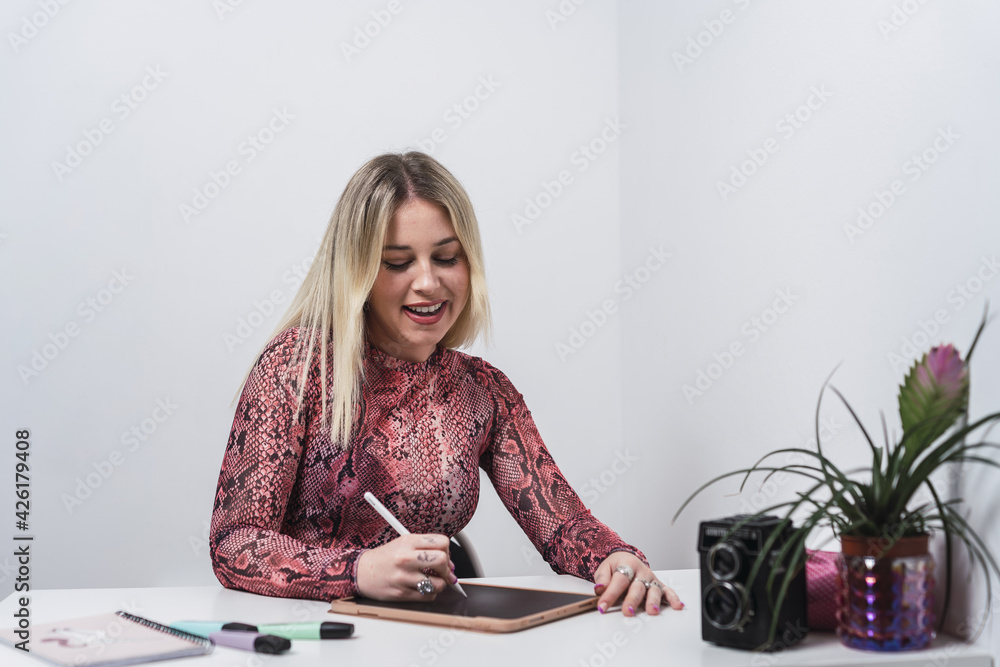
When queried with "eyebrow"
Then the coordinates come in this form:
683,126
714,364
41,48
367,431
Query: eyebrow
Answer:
450,239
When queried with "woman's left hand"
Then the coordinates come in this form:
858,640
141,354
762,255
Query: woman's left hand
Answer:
612,585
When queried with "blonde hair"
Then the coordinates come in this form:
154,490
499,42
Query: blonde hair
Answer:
328,307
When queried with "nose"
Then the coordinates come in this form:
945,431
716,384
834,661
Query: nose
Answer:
427,280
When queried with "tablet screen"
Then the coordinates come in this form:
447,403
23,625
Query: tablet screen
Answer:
489,601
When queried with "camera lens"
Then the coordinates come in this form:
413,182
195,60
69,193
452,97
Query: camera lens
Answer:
723,605
724,561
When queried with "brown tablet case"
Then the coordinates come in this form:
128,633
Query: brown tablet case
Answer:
487,609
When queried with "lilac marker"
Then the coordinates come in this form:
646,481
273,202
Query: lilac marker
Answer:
250,641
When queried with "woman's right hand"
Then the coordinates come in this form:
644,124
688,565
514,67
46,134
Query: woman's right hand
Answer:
392,571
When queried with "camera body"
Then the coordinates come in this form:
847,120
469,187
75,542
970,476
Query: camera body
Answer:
738,614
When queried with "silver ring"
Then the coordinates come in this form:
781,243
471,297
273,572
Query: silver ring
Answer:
425,587
627,571
650,584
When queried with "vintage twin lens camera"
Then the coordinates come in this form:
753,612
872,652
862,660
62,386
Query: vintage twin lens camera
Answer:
733,613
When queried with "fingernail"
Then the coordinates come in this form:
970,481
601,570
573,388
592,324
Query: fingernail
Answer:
454,579
656,609
631,610
598,588
602,608
682,605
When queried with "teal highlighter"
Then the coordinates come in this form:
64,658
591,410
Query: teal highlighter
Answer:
316,630
313,630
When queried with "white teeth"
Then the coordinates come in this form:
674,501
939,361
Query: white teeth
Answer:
426,309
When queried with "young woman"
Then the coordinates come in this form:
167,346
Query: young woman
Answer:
362,390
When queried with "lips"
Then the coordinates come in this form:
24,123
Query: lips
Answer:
425,310
426,313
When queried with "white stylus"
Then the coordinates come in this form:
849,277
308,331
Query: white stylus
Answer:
399,528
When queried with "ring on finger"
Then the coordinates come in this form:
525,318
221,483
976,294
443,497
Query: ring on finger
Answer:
649,583
425,587
627,571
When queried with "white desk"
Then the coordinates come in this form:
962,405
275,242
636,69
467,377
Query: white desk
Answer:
587,640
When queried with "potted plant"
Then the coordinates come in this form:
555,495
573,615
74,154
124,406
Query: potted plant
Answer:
886,572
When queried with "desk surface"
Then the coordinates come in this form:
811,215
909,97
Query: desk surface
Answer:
587,640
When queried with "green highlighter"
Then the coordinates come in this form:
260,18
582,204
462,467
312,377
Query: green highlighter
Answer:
313,630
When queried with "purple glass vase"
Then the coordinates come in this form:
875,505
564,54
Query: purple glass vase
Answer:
885,598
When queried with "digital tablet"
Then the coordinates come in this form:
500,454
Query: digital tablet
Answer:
487,609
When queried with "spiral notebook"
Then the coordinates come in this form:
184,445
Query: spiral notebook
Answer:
107,640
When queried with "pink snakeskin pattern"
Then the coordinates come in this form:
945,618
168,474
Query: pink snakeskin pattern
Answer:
822,580
290,519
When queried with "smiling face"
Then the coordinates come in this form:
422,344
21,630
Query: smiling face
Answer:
422,284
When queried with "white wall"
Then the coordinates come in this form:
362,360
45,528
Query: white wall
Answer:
614,409
867,99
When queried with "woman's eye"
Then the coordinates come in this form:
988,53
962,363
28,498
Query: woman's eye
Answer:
395,267
402,266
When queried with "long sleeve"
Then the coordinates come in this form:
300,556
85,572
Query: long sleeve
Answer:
537,495
250,546
290,517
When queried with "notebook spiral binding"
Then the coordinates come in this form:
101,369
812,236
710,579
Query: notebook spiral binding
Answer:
197,639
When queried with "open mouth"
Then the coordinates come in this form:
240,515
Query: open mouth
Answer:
425,310
426,315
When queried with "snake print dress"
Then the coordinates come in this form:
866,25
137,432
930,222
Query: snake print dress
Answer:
290,518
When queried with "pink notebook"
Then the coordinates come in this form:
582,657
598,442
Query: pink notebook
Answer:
107,640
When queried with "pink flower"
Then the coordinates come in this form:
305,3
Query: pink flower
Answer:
933,396
944,369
